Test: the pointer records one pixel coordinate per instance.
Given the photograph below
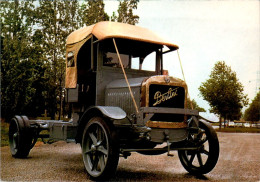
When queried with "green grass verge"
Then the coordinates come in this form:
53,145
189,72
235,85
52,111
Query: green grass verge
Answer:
4,134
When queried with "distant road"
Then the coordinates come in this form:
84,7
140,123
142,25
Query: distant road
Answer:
239,161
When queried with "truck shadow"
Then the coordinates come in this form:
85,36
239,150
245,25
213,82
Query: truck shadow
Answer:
130,175
70,166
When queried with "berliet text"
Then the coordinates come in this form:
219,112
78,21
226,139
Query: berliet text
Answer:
159,97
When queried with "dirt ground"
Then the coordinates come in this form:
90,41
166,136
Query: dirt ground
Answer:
239,161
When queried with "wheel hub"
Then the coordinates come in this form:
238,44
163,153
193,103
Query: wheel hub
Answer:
93,148
15,135
201,148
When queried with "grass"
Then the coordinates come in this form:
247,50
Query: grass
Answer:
4,134
215,124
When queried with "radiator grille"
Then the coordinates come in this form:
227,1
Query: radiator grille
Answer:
166,96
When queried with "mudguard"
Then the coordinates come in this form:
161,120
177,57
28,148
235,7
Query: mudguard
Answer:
112,112
108,111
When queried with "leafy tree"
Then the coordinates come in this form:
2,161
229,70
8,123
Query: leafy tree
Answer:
56,20
253,112
192,104
21,72
113,17
93,12
33,39
224,92
125,12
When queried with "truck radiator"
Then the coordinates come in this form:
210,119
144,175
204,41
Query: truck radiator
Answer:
167,96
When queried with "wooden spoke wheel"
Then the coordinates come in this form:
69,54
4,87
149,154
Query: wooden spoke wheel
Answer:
99,149
204,159
20,137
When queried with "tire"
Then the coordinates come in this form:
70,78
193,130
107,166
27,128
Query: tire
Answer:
100,149
20,137
204,159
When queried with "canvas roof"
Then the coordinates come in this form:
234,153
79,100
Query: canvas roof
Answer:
105,30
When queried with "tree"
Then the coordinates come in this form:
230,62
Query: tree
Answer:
224,92
33,54
125,12
21,70
93,12
33,39
253,112
56,20
192,104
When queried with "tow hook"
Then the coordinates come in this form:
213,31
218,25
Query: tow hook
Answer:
169,149
166,134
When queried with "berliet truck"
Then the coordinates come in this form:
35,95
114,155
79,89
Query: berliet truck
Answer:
118,107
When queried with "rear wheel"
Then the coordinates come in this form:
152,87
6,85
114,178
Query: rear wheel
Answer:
204,159
99,149
20,137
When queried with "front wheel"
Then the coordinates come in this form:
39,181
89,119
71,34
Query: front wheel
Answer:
204,159
99,149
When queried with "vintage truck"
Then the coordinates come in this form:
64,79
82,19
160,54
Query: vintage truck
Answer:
119,108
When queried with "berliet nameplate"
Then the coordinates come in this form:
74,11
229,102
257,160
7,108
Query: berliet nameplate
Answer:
159,97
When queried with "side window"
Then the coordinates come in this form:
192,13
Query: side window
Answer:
111,59
70,59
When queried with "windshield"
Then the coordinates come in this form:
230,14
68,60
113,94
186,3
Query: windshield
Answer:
110,59
135,55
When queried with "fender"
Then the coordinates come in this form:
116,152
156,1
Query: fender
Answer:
107,111
110,112
211,129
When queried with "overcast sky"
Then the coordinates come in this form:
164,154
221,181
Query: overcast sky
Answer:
206,32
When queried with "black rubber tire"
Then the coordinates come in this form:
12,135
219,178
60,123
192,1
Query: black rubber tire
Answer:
100,149
20,137
207,162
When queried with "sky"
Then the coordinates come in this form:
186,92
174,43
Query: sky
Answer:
206,32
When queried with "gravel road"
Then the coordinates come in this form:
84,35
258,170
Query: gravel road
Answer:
239,161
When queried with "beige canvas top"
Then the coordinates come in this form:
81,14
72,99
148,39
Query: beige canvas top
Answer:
106,29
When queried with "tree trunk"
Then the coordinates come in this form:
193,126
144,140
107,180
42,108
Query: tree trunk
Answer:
220,123
60,111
